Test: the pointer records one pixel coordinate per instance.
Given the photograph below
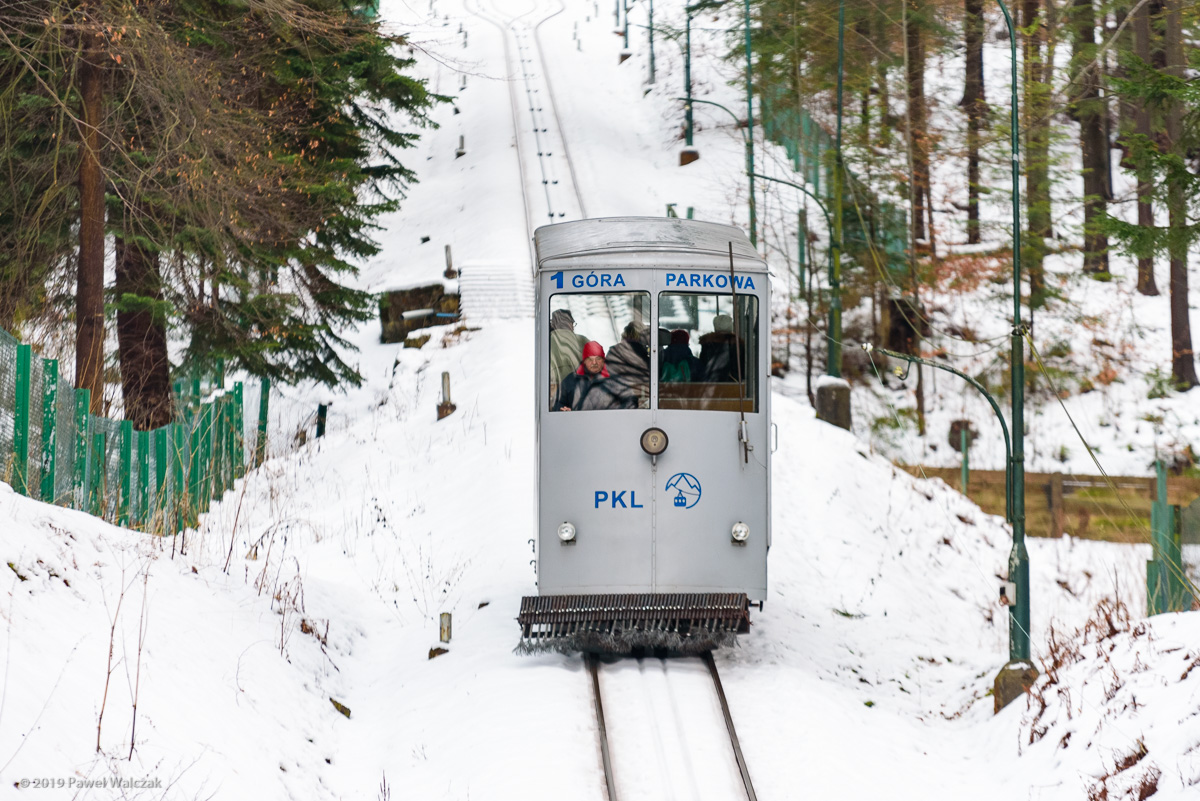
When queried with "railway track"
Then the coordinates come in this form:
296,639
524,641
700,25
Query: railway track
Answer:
548,184
699,769
551,194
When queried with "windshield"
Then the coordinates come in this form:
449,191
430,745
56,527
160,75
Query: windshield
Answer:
707,352
599,351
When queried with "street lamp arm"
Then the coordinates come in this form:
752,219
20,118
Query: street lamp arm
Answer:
868,347
816,199
718,105
705,5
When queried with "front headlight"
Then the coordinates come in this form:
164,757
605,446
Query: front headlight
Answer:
566,532
740,533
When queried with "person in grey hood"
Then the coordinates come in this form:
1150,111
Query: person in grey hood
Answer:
566,347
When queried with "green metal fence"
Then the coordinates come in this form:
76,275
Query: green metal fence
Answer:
53,450
871,228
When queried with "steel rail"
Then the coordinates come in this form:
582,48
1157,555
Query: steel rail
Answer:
562,134
733,738
593,666
512,100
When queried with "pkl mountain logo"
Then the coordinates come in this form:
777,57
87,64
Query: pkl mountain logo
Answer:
686,489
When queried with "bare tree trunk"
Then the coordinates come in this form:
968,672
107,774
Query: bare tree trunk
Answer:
142,338
1037,148
973,102
1141,49
1183,361
89,293
1088,110
915,79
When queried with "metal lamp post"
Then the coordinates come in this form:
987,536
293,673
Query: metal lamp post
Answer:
834,366
1018,674
687,70
1019,668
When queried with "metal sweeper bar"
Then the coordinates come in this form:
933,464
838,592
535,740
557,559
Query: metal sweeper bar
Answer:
618,623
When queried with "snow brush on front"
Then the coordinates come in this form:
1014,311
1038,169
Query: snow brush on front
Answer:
687,623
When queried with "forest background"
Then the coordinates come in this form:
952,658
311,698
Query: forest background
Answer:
232,159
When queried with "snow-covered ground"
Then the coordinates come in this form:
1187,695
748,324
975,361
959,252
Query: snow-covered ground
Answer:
207,665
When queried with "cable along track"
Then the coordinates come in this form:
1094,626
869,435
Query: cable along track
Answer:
657,712
548,182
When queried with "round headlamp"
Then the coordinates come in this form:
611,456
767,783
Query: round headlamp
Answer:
566,532
654,441
740,532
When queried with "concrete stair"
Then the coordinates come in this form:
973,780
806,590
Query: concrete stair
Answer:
495,291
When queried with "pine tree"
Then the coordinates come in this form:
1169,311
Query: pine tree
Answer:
1166,166
254,147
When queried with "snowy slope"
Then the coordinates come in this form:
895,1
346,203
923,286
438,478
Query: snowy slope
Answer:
865,676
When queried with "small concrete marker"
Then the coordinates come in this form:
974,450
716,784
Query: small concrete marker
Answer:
445,408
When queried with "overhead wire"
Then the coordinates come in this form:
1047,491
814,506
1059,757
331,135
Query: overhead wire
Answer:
1078,690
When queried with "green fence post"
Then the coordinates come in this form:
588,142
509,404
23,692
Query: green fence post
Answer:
206,455
260,446
124,473
239,432
49,428
160,473
20,478
79,475
965,479
98,475
143,483
1157,575
218,447
179,499
193,500
1181,587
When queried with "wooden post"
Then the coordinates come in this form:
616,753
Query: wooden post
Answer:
1057,513
445,627
450,271
322,415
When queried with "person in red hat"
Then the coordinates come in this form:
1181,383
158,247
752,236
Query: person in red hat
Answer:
575,387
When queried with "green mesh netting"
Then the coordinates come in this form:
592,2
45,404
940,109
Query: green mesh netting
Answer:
64,448
8,402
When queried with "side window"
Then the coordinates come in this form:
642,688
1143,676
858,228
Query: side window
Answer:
707,352
599,351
